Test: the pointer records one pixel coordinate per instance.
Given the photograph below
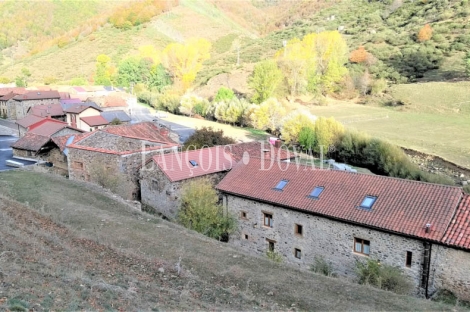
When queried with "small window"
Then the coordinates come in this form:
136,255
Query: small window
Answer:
193,163
268,220
147,146
316,192
368,202
281,185
362,246
409,257
243,215
154,184
299,229
298,253
245,236
271,245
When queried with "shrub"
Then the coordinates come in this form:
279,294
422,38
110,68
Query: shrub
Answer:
327,134
206,137
199,210
224,94
274,256
78,81
320,266
378,86
231,111
4,80
382,276
268,115
50,80
293,123
170,101
307,138
189,102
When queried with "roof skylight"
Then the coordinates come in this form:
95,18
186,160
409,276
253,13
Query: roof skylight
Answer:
368,202
193,163
316,192
281,185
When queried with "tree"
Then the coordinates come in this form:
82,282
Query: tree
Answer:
206,137
200,211
467,64
184,61
327,134
265,80
224,94
425,33
268,115
307,138
103,75
188,103
115,122
22,80
293,123
231,111
359,56
294,61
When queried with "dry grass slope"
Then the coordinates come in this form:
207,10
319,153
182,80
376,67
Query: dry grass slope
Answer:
64,246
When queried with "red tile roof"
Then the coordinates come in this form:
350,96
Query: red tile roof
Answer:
259,149
458,233
60,141
94,121
47,110
79,107
16,90
31,142
49,126
402,206
177,166
29,120
109,101
8,96
142,131
37,95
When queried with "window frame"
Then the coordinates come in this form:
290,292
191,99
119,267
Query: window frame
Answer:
243,215
369,207
296,229
409,259
280,187
245,236
362,242
321,188
270,224
271,243
298,253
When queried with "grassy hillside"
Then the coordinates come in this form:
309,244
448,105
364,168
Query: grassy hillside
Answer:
78,249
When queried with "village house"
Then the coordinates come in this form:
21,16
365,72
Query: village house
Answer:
26,122
75,112
162,177
111,102
116,115
54,111
119,149
343,217
7,94
19,105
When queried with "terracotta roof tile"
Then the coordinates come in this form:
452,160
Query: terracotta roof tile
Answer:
177,166
94,121
31,142
29,120
142,131
458,233
60,141
47,110
37,95
402,206
49,126
15,90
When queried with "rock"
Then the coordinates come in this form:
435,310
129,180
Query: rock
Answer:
464,183
161,270
462,175
270,293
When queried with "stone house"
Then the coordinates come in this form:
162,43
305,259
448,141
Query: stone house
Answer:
75,112
19,105
7,94
94,122
162,177
120,149
343,217
111,102
26,122
53,111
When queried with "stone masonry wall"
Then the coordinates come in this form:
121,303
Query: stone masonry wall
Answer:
20,108
332,240
80,163
451,271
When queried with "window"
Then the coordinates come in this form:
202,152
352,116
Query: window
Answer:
298,253
154,185
409,256
281,185
193,163
243,215
298,229
245,236
268,220
362,246
271,245
316,192
368,202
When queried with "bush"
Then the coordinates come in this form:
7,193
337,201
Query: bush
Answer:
320,266
231,111
189,102
206,137
111,179
307,138
378,86
382,276
170,101
199,210
293,123
274,256
224,94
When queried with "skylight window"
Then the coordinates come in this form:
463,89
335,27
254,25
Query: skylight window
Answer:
368,202
193,163
316,192
281,185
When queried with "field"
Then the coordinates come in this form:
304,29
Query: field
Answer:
64,246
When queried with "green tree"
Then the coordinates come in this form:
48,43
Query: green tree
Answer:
206,137
103,75
264,81
307,138
22,80
293,123
268,115
78,81
224,94
159,78
327,133
231,111
200,211
467,64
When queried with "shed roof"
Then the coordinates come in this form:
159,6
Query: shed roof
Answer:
95,121
402,206
31,142
116,114
37,95
49,126
29,120
178,167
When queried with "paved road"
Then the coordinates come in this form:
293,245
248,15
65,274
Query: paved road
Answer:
6,152
140,113
8,124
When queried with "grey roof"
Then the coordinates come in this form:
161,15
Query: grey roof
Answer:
119,114
67,106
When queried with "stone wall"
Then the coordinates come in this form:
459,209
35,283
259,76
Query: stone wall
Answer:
59,161
81,162
23,153
332,240
19,109
161,195
65,131
451,271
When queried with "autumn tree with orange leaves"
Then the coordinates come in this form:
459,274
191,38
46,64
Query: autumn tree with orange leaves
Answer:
425,33
359,56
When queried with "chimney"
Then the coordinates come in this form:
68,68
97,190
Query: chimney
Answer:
427,228
278,143
164,132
